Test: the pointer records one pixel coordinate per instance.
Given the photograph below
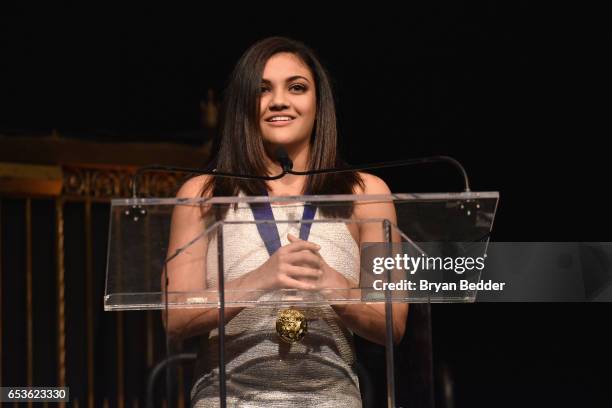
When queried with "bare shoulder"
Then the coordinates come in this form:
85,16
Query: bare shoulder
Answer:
192,188
377,209
372,185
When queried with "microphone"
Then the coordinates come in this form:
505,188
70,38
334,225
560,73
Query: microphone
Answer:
283,159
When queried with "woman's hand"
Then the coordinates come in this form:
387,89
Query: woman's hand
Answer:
293,266
329,278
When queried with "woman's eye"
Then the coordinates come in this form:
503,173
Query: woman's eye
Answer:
298,88
264,89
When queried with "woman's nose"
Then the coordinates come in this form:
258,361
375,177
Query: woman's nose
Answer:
278,101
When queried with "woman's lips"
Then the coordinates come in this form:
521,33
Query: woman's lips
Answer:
279,123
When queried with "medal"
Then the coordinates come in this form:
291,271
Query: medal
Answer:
291,324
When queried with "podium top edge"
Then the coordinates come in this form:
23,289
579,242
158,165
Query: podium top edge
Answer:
310,198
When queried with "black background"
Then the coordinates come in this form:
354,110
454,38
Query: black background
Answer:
519,94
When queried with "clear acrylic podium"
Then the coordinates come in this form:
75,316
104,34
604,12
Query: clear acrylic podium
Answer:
191,259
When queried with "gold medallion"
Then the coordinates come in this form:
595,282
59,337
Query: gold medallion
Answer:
291,325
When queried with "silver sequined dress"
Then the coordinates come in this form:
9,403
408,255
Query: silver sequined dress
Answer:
262,370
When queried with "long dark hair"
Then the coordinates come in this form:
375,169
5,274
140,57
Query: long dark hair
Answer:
239,147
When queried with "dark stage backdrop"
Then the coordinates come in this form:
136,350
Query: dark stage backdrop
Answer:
515,91
511,90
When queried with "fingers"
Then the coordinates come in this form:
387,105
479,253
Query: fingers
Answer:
304,272
303,258
296,244
291,283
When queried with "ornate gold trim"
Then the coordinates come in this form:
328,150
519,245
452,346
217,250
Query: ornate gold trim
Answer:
107,183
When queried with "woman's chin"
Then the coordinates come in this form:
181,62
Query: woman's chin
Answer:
286,140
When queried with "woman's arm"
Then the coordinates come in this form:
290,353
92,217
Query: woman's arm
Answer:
187,271
368,320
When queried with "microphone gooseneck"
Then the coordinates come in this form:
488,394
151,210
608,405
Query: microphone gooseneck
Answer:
397,163
284,160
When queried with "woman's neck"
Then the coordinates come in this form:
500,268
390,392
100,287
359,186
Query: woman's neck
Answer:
289,184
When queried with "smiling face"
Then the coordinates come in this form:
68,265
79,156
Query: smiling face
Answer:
288,101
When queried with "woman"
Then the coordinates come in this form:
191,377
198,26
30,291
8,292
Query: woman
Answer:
279,95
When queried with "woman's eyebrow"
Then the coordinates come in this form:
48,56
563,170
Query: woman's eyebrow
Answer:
290,79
